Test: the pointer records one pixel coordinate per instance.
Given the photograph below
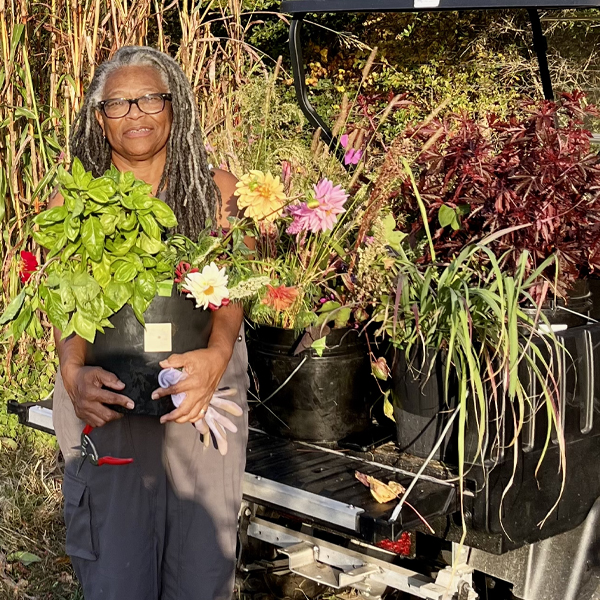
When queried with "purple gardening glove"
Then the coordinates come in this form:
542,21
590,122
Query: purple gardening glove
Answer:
213,420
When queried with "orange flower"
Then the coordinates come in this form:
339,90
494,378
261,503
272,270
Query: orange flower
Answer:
280,298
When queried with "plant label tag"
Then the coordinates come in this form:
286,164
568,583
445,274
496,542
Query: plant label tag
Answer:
157,337
427,3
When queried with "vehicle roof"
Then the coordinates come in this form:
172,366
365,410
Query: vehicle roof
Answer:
315,6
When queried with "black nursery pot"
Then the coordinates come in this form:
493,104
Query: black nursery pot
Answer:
420,410
132,353
328,398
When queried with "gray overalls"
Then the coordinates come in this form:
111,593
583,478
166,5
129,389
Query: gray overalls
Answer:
165,526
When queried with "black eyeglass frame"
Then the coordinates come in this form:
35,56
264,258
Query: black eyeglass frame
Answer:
164,96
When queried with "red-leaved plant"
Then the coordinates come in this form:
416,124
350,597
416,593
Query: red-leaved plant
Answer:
538,171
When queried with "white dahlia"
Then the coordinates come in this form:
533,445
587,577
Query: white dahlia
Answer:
208,287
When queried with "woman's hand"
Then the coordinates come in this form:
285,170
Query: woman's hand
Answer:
84,386
204,369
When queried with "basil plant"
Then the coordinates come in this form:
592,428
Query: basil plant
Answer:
104,248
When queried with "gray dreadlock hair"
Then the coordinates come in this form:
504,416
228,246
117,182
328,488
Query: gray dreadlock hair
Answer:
190,189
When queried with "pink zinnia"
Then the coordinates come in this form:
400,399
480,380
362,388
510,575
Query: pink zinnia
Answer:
321,213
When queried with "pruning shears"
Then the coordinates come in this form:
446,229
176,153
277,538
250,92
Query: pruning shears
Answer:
90,452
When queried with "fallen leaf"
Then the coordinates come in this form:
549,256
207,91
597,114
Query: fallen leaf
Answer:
25,558
382,492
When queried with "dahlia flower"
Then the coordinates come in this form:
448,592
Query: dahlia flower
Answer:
261,195
280,298
208,287
319,213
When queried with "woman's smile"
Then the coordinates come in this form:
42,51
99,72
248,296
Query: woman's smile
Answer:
137,132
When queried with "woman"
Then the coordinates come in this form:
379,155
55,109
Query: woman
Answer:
163,527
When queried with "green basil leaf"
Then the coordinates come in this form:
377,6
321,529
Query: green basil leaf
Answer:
127,201
99,195
112,209
57,245
163,213
127,221
145,285
164,288
151,246
92,311
141,188
123,245
54,309
92,237
91,206
125,272
134,258
78,207
64,177
72,226
140,305
68,330
141,200
67,297
150,226
12,310
78,171
69,198
127,181
164,267
117,294
103,184
148,262
101,271
52,280
52,215
108,223
43,239
69,251
85,288
84,328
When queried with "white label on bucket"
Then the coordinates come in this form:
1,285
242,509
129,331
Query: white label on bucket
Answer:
157,337
427,3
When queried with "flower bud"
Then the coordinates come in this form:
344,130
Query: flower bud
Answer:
380,368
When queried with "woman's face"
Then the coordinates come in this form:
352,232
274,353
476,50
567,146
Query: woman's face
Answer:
136,136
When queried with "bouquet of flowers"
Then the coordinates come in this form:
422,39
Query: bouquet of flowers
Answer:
301,248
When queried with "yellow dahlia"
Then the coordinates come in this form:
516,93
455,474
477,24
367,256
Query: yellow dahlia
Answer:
261,195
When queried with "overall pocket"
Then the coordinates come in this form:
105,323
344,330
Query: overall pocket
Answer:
78,518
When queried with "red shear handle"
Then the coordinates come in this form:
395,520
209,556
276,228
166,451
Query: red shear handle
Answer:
87,430
110,460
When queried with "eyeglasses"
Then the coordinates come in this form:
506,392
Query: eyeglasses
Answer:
150,104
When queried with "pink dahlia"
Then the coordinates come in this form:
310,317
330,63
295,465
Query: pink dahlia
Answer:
319,213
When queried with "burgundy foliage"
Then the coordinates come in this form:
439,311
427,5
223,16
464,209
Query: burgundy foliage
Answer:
537,170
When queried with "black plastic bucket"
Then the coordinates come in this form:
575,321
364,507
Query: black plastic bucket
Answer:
132,353
420,410
579,304
327,398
